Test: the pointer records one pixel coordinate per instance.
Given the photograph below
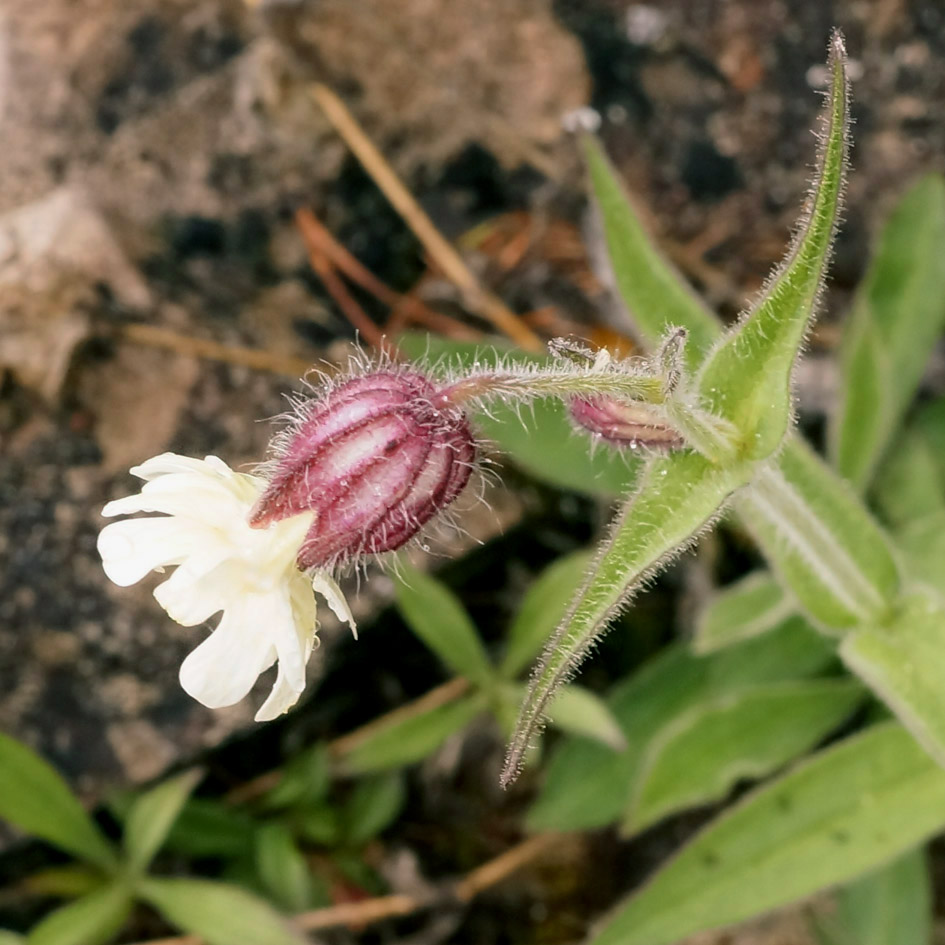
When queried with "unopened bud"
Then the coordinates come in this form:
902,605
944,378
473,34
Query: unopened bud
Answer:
375,461
623,424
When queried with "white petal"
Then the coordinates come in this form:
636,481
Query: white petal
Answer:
168,463
304,610
329,589
280,700
132,549
217,465
191,598
194,497
293,642
284,695
222,670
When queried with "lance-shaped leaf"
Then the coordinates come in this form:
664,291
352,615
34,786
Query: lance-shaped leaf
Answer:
373,807
820,539
541,611
891,906
897,315
35,798
281,867
747,733
849,809
574,710
909,485
539,436
751,606
903,661
436,615
403,740
588,786
153,814
922,544
219,913
746,378
92,920
654,292
207,827
679,495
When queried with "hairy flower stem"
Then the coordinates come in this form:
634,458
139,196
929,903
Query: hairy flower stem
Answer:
644,388
655,397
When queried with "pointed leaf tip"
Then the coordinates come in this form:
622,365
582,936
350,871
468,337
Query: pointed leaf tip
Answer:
837,49
746,378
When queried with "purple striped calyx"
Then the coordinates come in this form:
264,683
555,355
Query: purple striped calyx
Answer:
375,460
622,423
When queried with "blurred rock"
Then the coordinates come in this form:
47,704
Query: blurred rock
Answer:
436,77
137,398
56,255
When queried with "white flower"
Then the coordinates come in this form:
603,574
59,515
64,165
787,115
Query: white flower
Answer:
222,564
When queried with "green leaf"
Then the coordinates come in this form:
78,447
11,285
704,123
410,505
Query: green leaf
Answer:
65,882
746,378
542,610
219,913
404,741
579,711
319,824
436,616
847,810
929,421
898,314
747,733
891,906
910,485
282,869
92,920
37,800
373,807
655,294
903,663
152,816
748,608
922,543
206,827
679,495
11,938
587,786
539,436
820,540
305,779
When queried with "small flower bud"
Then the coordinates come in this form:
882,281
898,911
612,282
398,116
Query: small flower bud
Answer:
623,423
375,461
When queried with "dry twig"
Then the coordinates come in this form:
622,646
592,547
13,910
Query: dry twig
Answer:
156,337
318,239
346,301
479,299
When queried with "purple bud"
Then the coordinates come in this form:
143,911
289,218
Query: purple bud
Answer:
623,424
375,461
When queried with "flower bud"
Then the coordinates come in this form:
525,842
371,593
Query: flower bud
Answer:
375,461
623,424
